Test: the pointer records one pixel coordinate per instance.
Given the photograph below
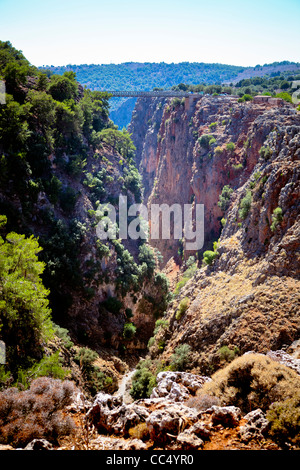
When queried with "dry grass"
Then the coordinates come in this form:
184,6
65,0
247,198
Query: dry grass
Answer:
253,381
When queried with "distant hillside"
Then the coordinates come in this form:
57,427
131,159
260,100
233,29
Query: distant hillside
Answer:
268,69
146,76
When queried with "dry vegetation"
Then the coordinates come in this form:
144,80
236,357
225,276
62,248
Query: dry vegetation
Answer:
36,413
253,381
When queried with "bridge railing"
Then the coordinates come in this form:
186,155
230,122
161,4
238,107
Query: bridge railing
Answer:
151,94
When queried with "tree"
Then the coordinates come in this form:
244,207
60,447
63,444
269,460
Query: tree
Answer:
25,321
64,87
224,198
285,96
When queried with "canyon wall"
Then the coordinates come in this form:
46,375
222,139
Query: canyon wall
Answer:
247,297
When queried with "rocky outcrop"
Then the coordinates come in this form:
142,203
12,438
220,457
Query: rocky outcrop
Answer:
255,426
177,386
166,422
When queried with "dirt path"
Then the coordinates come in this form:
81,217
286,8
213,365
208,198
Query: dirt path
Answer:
124,386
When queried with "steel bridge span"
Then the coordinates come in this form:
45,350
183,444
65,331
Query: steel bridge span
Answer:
154,94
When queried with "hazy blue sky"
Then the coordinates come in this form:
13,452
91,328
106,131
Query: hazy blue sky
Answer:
61,32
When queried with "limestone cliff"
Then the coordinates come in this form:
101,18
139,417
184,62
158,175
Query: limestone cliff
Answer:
188,154
248,298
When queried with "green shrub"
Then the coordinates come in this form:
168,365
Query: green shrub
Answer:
238,167
209,256
113,305
94,379
230,146
25,318
285,96
67,199
161,323
204,140
224,198
227,354
245,205
245,97
180,358
183,306
129,331
188,274
63,334
218,150
276,218
284,419
143,382
265,152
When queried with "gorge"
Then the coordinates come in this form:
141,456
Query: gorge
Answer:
223,318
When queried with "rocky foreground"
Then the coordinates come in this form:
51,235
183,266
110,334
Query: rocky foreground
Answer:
175,417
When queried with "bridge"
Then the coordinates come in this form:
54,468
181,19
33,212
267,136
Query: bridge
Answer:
154,94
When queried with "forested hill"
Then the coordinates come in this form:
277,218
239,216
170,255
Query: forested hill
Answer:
146,76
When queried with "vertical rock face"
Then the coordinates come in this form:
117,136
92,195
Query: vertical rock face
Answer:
188,154
248,298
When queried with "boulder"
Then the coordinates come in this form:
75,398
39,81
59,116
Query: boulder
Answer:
285,359
189,441
5,447
177,386
108,413
202,430
39,444
227,416
255,427
170,421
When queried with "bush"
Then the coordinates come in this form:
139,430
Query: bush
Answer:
129,331
276,218
143,382
253,381
285,96
284,418
94,379
36,413
140,431
202,402
204,140
218,150
265,152
245,205
224,197
67,199
113,305
63,334
246,97
230,146
227,354
180,358
209,256
188,274
183,306
24,314
161,323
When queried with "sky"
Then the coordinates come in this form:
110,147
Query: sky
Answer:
235,32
